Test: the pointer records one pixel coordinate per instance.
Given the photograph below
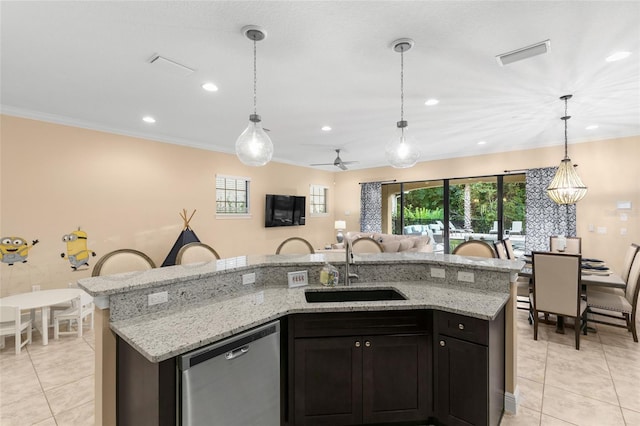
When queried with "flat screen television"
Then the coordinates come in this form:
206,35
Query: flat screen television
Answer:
284,210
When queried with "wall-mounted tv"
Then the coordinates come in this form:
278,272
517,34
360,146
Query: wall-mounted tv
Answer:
284,210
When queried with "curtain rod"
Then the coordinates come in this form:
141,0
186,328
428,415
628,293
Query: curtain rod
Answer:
378,181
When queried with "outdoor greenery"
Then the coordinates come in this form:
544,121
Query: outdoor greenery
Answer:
425,205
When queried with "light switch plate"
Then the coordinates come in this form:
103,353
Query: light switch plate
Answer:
437,273
465,276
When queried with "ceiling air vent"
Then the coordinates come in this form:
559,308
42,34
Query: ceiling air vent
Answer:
524,53
169,66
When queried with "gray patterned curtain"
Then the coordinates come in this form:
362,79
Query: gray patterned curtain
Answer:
544,217
371,207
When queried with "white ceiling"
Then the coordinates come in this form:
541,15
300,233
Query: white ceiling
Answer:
327,63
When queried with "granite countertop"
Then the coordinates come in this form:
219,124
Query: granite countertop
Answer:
128,281
163,335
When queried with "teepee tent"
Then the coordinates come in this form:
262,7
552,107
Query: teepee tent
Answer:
186,236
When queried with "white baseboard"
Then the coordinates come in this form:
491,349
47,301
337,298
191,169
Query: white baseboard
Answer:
511,401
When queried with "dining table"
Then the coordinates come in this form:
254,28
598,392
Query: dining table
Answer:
43,300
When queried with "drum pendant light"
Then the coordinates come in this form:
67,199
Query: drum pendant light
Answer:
401,152
253,146
566,186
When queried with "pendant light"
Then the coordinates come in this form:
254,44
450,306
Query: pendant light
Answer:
401,152
566,186
254,147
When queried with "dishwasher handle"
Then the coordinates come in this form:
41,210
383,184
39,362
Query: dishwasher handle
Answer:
236,352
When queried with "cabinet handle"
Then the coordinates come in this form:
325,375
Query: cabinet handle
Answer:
357,344
461,326
443,343
367,343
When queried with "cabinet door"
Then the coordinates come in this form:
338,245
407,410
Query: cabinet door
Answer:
328,381
396,378
462,382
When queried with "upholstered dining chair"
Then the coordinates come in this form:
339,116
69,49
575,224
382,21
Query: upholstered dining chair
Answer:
14,323
196,252
566,245
620,308
122,260
631,254
81,308
523,283
501,250
557,290
364,245
476,248
295,245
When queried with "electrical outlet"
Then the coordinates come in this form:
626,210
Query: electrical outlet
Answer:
623,231
249,278
437,273
35,288
157,298
602,229
465,276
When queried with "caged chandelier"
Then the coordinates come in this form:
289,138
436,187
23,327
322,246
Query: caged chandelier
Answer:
566,186
253,146
401,152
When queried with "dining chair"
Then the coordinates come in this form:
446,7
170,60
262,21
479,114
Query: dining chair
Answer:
14,323
501,250
523,283
82,307
620,308
295,245
557,290
122,260
364,245
196,252
567,245
632,251
476,248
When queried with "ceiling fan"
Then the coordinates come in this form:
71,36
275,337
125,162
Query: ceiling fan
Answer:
337,162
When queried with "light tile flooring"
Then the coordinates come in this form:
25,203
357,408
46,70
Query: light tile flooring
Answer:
597,385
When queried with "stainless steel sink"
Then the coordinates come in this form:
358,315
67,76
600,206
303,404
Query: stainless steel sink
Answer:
359,295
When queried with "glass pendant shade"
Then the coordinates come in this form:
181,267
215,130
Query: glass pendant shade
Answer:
253,146
566,186
401,151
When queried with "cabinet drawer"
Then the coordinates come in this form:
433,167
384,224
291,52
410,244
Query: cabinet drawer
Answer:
361,323
463,327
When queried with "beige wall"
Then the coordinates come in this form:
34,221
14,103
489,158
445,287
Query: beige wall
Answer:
609,169
128,192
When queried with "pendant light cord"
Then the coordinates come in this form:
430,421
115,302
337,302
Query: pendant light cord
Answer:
565,118
402,84
255,78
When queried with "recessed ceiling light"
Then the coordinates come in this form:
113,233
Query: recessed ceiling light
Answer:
482,142
618,56
210,87
148,119
326,128
431,102
592,127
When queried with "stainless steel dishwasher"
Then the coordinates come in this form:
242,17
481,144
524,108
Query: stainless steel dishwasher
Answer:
235,382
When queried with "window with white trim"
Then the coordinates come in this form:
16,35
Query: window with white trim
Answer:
232,195
318,200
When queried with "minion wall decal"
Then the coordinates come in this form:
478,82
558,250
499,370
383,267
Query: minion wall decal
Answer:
77,251
15,250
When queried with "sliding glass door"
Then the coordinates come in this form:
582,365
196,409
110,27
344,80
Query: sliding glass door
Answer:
455,210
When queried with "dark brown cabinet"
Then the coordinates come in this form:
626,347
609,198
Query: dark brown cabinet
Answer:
469,364
342,376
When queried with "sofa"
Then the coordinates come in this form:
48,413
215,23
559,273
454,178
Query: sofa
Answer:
394,243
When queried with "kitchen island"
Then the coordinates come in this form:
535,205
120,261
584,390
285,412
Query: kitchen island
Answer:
211,301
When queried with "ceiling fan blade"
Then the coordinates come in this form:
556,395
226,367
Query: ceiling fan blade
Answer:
342,166
349,162
322,164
